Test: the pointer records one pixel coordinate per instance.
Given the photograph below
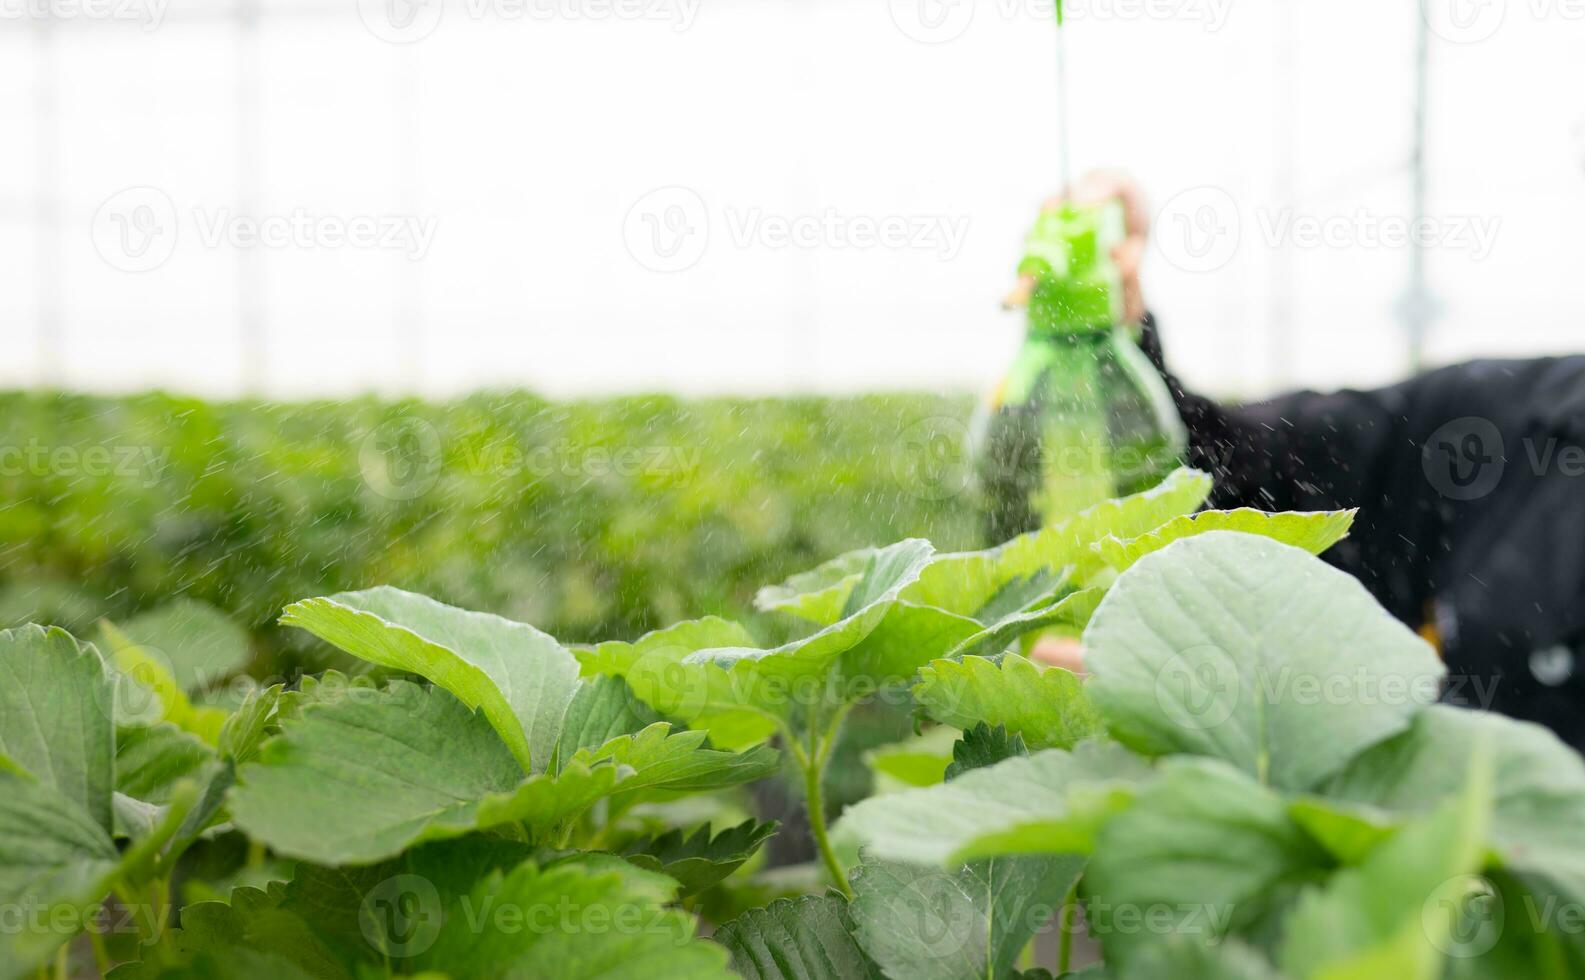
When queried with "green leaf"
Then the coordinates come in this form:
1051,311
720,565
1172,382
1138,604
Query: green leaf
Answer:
57,865
965,583
151,761
708,674
1052,802
643,940
134,819
663,760
659,670
903,642
546,803
1390,917
253,722
1348,831
1539,791
821,594
521,678
1048,708
1187,958
148,693
918,761
927,924
1204,846
197,643
983,746
475,907
698,861
1247,650
233,964
364,777
603,708
55,861
1314,532
1073,610
809,938
56,716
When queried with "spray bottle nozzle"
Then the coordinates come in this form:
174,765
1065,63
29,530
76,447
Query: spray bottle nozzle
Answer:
1068,253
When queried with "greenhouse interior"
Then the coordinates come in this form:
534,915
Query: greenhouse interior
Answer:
792,490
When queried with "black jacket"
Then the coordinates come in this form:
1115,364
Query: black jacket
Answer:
1470,484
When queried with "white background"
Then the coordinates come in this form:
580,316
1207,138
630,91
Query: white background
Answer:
528,141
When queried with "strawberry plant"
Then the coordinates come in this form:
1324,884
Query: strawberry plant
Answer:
1255,781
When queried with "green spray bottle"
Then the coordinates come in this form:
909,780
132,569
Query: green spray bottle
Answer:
1082,416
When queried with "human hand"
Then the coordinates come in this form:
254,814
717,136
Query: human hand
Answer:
1059,651
1101,187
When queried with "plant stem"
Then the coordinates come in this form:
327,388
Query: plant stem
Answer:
812,763
817,826
101,955
1070,905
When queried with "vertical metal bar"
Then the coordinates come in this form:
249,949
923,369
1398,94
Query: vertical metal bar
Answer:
49,219
250,261
1279,314
1063,156
409,314
1419,308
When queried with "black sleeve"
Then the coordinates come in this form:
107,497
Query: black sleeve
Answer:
1319,451
1300,451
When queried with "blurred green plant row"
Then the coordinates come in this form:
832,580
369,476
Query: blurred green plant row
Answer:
593,519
